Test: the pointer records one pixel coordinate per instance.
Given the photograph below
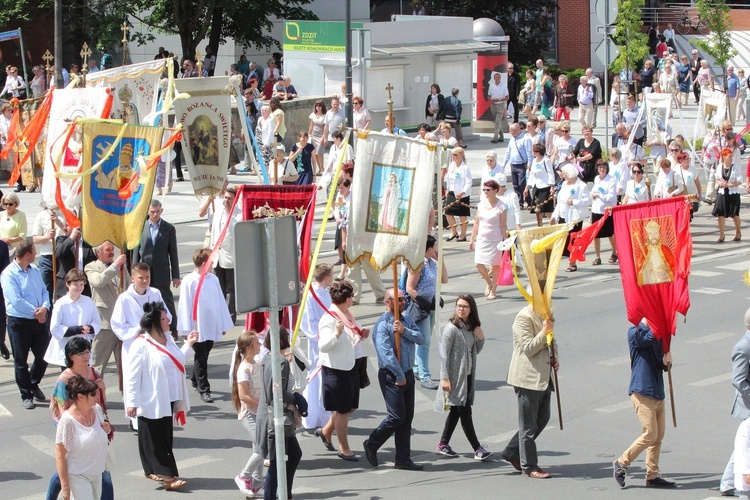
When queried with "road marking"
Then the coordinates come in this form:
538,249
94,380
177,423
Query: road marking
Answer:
725,377
601,292
615,407
705,274
615,361
4,412
711,338
43,444
499,438
737,266
184,464
710,291
191,243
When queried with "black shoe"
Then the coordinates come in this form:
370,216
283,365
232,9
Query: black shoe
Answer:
619,472
328,446
659,482
19,189
4,351
370,454
38,394
194,384
206,397
409,466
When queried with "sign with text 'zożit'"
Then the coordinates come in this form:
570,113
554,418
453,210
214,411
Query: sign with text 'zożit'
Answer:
315,36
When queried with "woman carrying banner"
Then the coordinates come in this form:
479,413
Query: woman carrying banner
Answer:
156,392
604,195
728,180
458,185
340,340
490,228
462,340
573,200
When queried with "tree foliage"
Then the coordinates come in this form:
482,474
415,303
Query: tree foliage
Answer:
528,23
630,40
719,44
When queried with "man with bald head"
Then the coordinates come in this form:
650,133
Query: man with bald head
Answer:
396,379
105,278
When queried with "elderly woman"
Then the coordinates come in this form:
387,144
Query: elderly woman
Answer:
647,76
315,130
445,137
511,202
620,170
361,115
491,171
541,184
81,443
458,186
563,99
264,133
490,228
728,181
668,80
421,287
155,390
636,189
668,182
562,144
77,359
340,338
587,152
704,76
573,200
604,195
12,223
462,340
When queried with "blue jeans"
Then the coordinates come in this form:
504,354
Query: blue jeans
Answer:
399,405
108,491
422,358
518,175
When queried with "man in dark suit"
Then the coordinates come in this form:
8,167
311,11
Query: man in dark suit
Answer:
514,90
158,249
66,246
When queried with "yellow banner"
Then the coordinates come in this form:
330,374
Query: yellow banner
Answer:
110,211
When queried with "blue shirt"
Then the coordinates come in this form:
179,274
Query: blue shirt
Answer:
646,360
733,83
519,151
24,290
383,339
153,230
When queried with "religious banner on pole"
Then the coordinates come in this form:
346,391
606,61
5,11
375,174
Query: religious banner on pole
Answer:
658,108
135,88
63,150
206,119
654,246
391,199
711,111
112,211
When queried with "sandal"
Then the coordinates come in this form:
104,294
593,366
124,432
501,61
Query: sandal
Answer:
491,296
155,477
571,268
597,262
174,484
452,237
613,258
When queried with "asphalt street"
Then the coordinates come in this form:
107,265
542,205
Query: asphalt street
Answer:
599,421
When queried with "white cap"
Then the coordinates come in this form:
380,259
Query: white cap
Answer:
501,179
281,147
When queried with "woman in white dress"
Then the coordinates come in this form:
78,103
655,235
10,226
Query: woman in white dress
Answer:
264,132
604,195
620,171
315,130
490,228
573,200
390,202
636,189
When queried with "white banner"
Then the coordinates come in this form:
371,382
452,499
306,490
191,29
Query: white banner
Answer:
391,199
135,88
658,107
711,112
206,118
67,105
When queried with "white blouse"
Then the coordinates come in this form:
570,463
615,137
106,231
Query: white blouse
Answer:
734,176
458,179
86,447
688,179
622,174
564,148
579,194
636,192
541,174
489,174
512,208
604,193
665,182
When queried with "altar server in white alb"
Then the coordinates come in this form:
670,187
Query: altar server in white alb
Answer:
213,318
73,315
318,303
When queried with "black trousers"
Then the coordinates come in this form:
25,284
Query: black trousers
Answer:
28,335
168,297
515,109
177,160
399,405
464,414
200,365
226,282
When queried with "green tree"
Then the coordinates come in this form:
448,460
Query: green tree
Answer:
528,23
719,44
630,40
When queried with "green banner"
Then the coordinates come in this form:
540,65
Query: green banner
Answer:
315,36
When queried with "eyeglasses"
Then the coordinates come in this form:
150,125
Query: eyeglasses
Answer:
400,299
463,306
636,172
674,150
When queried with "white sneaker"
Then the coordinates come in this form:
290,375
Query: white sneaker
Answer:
245,486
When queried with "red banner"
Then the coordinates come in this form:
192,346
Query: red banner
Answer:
580,240
655,246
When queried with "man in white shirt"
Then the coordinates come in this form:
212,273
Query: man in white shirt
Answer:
45,227
585,103
596,86
335,119
498,96
224,263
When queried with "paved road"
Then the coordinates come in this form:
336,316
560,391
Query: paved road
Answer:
599,422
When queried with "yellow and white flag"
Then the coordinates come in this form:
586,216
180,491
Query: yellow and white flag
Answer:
391,199
116,195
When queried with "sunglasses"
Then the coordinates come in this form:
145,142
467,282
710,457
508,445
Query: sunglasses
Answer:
637,171
674,150
6,204
487,190
565,130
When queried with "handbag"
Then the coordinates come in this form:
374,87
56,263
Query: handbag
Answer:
505,276
364,378
111,461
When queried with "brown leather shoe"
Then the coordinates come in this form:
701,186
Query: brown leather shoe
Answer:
537,474
515,462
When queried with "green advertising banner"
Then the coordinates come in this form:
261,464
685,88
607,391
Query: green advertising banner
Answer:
315,36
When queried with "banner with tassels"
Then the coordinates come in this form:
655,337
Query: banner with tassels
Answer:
391,199
63,151
135,86
206,119
118,180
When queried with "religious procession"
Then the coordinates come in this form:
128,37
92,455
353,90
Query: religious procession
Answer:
274,282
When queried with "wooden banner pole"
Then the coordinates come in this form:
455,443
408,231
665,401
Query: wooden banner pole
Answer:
671,394
396,335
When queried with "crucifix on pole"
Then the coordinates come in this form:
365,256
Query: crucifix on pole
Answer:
85,53
48,57
389,88
124,28
198,63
